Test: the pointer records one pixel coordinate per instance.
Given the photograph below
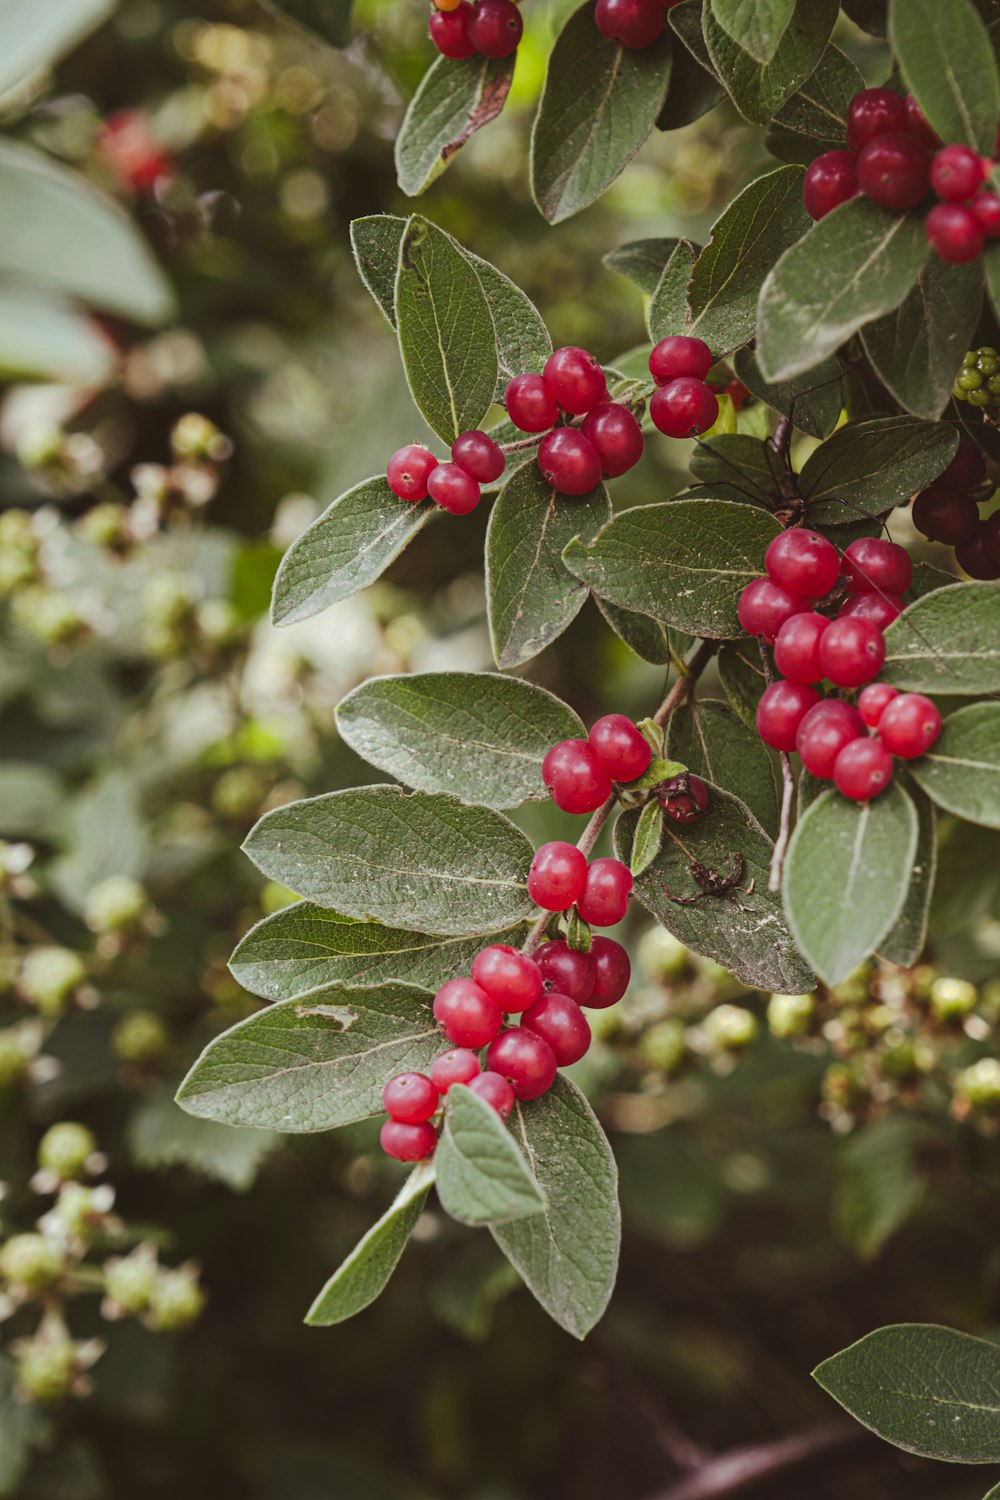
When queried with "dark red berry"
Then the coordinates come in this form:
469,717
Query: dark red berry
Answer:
408,470
956,173
478,455
453,489
449,31
575,379
873,699
559,1021
781,709
525,1059
617,437
604,898
568,970
410,1097
873,112
408,1142
823,733
765,606
684,798
573,775
973,558
862,769
851,651
621,750
909,725
612,971
894,170
985,209
458,1065
803,562
530,404
679,354
880,609
945,515
967,469
796,648
569,461
829,181
684,407
954,233
556,876
873,563
466,1014
510,978
495,27
496,1091
917,124
633,23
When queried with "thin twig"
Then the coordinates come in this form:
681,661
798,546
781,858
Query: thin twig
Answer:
520,445
742,1468
787,795
781,438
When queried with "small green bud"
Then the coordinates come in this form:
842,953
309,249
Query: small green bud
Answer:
661,955
970,379
176,1301
117,905
789,1015
48,978
48,615
843,1087
140,1037
900,1062
951,999
979,1085
81,1211
65,1149
978,398
239,792
730,1026
168,602
106,526
40,446
46,1366
30,1263
663,1046
14,1057
130,1283
195,437
219,622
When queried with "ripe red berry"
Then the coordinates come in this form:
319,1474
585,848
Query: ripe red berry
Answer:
616,435
604,898
612,971
954,233
684,798
569,461
917,124
556,876
852,651
985,209
873,699
823,733
569,970
575,379
967,469
525,1059
684,407
781,709
410,1097
829,181
956,173
495,27
453,489
408,1142
510,978
873,112
894,170
496,1091
449,31
573,775
559,1021
796,648
873,563
458,1065
909,725
466,1014
679,354
765,606
944,515
478,455
880,609
128,146
408,470
633,23
862,769
530,404
803,562
621,750
973,558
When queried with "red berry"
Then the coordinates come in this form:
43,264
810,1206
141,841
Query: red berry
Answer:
684,407
478,455
954,233
873,112
410,1097
129,148
466,1014
453,489
973,558
967,469
525,1059
530,404
873,563
823,733
946,515
449,31
909,725
621,750
408,1142
612,972
569,461
556,876
765,606
881,609
684,798
459,1065
873,699
956,173
916,123
575,379
781,710
862,769
894,170
829,181
678,355
573,775
495,27
408,471
803,562
634,23
985,209
496,1091
569,970
510,978
796,648
617,437
604,898
559,1021
852,651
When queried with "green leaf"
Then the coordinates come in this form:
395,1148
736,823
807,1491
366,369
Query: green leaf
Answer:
917,349
599,103
418,858
743,246
36,33
855,265
303,947
713,742
445,328
947,60
739,467
741,673
847,875
869,467
366,1271
926,1389
905,942
818,112
811,400
60,233
375,242
878,1188
454,100
693,89
160,1135
871,15
478,735
744,931
567,1255
329,20
961,772
481,1174
642,261
298,1067
648,837
991,265
345,549
531,596
685,561
759,90
646,637
758,26
994,1493
30,796
43,338
947,642
668,309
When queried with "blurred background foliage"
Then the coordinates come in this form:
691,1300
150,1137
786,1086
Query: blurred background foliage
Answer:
795,1170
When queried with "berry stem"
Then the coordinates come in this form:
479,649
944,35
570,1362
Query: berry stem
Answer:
521,445
787,793
781,438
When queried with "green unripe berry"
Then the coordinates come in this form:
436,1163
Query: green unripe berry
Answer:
661,955
239,792
117,904
40,445
130,1283
790,1015
176,1301
219,622
14,1058
900,1062
48,978
81,1210
969,380
987,364
951,999
195,437
730,1026
842,1087
979,1085
105,525
46,1367
140,1037
30,1263
65,1149
663,1046
48,615
978,398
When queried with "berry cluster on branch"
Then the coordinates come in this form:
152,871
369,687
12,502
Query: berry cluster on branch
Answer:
948,511
463,28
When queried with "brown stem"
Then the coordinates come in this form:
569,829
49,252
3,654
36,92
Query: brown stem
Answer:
741,1469
787,794
521,445
781,438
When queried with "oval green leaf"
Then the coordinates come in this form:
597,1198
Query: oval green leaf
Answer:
947,642
366,1271
961,772
962,103
454,100
481,1172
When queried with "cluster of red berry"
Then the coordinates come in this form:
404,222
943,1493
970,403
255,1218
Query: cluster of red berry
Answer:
830,734
459,29
633,23
683,404
948,511
580,773
573,459
414,473
548,991
894,157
